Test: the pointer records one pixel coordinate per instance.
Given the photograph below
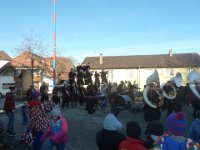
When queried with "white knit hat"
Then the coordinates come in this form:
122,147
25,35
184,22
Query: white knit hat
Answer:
56,111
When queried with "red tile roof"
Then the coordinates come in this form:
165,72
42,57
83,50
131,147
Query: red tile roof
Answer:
145,61
23,61
4,56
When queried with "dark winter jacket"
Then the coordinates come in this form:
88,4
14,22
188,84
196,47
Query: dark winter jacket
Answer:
109,137
9,104
194,132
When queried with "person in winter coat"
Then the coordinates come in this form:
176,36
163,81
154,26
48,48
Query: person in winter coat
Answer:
194,131
57,131
133,142
38,124
109,137
154,131
175,138
9,108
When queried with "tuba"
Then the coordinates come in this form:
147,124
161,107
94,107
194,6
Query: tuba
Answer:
194,79
175,81
153,88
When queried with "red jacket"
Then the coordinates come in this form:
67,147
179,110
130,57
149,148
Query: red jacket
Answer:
9,104
132,144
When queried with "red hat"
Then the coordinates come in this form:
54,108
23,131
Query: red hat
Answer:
34,103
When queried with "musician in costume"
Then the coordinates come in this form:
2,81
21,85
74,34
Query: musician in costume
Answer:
88,77
171,93
193,92
153,98
90,99
80,77
104,77
97,80
72,75
121,88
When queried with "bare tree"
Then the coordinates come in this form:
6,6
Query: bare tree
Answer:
35,51
63,65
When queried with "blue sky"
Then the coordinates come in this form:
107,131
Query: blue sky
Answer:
112,27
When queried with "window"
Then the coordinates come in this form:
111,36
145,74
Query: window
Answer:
7,85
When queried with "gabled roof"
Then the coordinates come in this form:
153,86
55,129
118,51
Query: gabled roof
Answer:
64,64
145,61
23,60
4,56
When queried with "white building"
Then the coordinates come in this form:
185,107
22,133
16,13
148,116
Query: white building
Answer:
6,76
137,68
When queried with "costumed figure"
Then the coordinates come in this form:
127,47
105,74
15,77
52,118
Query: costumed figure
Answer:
81,95
72,75
97,80
28,92
171,93
90,99
121,88
104,79
44,92
88,77
39,122
153,98
65,96
80,77
131,91
119,103
55,97
72,94
193,93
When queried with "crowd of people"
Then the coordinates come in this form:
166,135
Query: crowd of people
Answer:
44,119
44,122
158,136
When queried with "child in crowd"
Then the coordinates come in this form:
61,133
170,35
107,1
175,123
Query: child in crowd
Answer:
176,126
133,142
57,131
174,139
153,132
110,137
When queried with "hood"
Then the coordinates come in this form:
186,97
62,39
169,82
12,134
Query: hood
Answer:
56,111
111,123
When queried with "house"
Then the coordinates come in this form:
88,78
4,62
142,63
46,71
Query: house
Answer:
6,77
137,68
24,64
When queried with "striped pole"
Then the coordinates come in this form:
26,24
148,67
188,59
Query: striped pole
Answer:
54,45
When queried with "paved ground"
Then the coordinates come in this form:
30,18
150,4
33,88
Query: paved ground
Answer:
82,126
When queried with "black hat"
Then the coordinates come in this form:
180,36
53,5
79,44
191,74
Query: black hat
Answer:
155,128
133,129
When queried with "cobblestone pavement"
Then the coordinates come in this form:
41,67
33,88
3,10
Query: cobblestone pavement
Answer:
83,126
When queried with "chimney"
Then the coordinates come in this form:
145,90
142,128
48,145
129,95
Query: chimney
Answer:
101,58
170,52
